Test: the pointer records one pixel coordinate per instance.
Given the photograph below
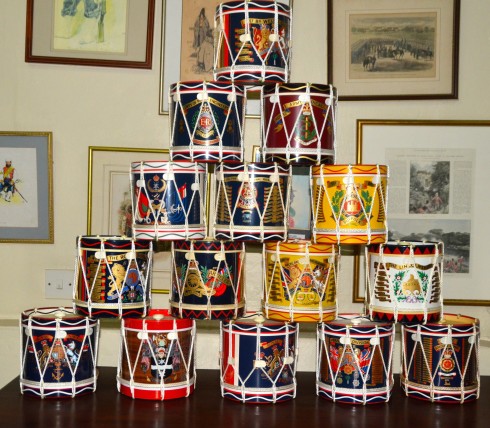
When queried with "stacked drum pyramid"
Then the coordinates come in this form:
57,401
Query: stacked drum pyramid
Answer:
295,201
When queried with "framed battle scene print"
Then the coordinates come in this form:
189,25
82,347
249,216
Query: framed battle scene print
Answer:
106,33
26,187
435,190
393,49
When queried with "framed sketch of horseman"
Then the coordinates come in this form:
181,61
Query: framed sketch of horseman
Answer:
393,49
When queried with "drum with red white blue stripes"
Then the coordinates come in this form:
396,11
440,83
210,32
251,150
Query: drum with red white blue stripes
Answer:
168,200
354,360
258,360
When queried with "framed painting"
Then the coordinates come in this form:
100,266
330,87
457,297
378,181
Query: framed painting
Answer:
434,194
26,187
187,48
106,33
109,210
393,49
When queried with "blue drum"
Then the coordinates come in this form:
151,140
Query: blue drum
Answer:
207,279
254,41
440,360
258,360
58,353
206,121
168,200
252,202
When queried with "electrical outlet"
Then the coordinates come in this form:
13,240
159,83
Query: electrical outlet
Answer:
58,283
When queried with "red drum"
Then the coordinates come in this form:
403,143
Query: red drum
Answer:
258,360
58,353
298,123
300,281
354,360
168,200
253,42
157,359
440,360
404,281
208,279
112,276
252,202
206,121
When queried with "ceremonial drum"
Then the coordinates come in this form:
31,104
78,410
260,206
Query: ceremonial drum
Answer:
253,42
300,281
258,360
112,276
207,279
354,360
168,200
58,353
298,123
157,357
440,360
206,121
252,202
349,203
404,281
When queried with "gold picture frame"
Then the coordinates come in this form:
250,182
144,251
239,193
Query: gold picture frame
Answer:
454,171
26,187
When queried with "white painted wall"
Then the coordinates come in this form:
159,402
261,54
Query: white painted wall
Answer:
92,106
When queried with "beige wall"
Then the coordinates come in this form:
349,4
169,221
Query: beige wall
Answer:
91,106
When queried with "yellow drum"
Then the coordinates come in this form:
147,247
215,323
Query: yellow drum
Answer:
300,281
349,203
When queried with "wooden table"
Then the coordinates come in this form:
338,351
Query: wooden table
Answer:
206,408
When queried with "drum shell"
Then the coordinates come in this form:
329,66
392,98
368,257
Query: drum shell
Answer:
343,197
262,61
440,359
242,379
168,200
340,374
298,123
59,353
300,282
207,121
208,279
252,202
139,374
405,281
108,265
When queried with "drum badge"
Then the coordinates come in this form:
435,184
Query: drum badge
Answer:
205,126
447,363
409,288
306,133
247,201
156,357
303,283
348,202
274,356
204,281
346,361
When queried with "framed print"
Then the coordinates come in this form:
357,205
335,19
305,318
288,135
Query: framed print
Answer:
435,190
187,48
106,33
109,210
393,49
26,187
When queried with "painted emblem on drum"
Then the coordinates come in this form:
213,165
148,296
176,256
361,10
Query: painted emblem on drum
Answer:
447,363
204,125
202,281
349,363
304,284
247,201
157,357
347,203
274,355
56,355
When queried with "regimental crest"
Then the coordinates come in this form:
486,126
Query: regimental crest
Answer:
204,123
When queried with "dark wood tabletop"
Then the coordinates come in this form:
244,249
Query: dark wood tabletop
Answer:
206,408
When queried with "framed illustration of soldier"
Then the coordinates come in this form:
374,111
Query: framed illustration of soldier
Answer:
26,187
393,49
106,33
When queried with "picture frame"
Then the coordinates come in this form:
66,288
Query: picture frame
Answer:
176,15
104,36
433,191
393,49
26,187
109,197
